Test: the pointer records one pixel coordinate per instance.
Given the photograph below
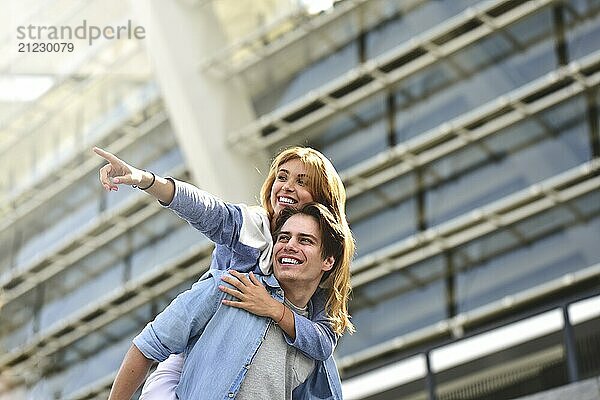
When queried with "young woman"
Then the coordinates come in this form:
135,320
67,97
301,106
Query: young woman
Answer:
243,243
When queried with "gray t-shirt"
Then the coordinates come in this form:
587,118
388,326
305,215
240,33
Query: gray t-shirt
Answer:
277,368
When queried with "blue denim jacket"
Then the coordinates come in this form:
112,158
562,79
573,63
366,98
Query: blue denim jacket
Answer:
220,342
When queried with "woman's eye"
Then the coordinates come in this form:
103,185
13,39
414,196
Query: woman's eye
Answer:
281,178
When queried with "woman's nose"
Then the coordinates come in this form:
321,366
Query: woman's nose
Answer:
288,186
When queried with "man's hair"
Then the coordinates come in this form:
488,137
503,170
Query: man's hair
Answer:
333,244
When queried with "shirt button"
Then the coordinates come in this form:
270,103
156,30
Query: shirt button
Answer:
247,366
230,395
279,292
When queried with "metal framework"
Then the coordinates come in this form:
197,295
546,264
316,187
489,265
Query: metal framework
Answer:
376,75
61,178
489,119
465,321
13,58
67,89
292,33
557,191
102,230
18,281
27,360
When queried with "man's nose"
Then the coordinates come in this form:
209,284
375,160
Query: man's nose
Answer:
290,245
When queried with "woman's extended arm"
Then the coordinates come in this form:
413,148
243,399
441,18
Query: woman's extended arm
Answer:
230,225
205,212
118,172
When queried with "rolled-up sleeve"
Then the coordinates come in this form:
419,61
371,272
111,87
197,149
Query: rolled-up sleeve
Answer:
150,345
183,319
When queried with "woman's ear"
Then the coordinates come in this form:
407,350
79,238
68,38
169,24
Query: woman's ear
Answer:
328,263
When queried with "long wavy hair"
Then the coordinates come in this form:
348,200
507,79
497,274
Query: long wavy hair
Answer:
327,189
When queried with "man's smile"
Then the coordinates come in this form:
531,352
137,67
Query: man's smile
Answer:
286,260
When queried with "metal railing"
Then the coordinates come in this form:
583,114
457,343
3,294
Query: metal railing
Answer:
464,322
518,368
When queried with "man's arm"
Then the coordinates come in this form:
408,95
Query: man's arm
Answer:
169,333
132,373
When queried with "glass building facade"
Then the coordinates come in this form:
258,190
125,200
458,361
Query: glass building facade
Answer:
467,134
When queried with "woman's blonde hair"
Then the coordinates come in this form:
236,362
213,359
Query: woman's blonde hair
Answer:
327,189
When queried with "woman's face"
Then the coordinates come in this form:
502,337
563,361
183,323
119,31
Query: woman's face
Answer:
290,188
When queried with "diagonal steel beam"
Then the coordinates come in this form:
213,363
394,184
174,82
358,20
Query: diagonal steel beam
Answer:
102,230
505,212
489,119
377,74
23,203
24,360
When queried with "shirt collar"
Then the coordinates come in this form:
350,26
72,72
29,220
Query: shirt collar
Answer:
271,281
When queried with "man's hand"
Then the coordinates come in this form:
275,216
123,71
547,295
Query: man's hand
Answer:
117,171
251,294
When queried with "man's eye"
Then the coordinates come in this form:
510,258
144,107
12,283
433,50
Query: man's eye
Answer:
283,238
306,241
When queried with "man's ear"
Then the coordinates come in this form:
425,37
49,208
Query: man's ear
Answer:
328,263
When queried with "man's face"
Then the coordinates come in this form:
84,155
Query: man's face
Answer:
297,252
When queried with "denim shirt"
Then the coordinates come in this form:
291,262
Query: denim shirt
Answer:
219,343
243,242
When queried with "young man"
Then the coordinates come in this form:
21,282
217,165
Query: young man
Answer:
231,353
